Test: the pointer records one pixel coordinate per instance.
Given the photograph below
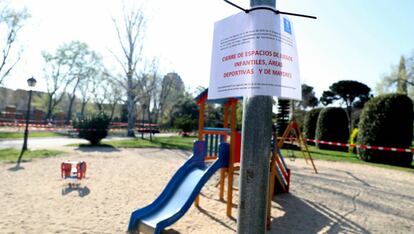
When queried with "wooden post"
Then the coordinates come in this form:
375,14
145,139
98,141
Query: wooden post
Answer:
200,137
223,170
230,173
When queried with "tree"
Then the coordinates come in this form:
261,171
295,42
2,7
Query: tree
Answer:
149,92
351,93
11,22
85,65
130,37
185,114
106,94
400,78
57,74
172,90
283,116
308,97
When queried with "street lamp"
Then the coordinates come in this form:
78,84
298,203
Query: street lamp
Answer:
31,82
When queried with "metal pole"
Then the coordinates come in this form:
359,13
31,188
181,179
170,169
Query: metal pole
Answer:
26,131
254,171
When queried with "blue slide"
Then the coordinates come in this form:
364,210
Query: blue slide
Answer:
180,192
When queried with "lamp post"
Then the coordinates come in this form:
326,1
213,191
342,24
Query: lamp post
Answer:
31,82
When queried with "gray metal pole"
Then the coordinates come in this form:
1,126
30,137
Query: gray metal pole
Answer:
254,171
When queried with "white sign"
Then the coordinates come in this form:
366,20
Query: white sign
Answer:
254,54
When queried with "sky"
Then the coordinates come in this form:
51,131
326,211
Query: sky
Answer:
350,40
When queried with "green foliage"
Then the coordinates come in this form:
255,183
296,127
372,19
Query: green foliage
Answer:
308,97
93,129
186,123
309,124
283,107
400,79
387,121
185,114
332,125
214,115
353,93
299,117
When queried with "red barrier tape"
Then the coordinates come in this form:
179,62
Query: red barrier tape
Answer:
383,148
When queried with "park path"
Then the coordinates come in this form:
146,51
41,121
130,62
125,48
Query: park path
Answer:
57,142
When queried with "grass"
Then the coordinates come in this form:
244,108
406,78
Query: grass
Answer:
186,143
338,156
19,135
11,155
174,142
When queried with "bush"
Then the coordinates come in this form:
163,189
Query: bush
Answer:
309,124
387,120
332,125
94,129
186,124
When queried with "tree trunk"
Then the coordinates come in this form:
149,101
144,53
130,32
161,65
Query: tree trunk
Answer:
131,115
83,108
149,121
69,115
113,106
49,108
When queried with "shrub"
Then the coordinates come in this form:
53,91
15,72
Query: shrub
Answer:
387,120
332,125
94,129
309,124
186,124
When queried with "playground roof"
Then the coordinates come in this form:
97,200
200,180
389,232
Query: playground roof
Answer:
203,96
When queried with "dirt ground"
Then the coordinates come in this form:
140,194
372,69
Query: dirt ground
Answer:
342,198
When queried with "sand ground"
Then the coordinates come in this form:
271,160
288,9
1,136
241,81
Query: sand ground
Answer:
342,198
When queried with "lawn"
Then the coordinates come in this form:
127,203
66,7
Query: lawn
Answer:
338,156
19,135
177,142
11,155
174,142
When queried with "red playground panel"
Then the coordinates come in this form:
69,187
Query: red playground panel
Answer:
73,169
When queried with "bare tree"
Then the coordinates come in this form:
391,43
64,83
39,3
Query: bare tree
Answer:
85,89
87,65
57,78
107,93
11,21
130,35
148,91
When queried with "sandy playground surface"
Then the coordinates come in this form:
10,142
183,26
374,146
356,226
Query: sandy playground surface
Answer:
342,198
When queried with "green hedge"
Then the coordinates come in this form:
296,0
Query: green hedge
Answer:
332,125
309,124
387,120
94,129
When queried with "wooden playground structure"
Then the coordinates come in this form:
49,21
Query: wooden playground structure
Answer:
279,178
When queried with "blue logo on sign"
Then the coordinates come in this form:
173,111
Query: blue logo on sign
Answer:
287,26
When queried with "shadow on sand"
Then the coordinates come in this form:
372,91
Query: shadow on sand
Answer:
302,216
71,187
96,148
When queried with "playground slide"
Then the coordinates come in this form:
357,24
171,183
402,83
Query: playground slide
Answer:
179,193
